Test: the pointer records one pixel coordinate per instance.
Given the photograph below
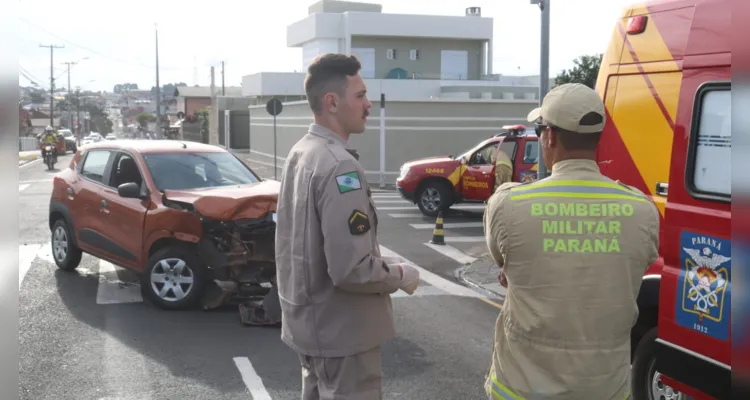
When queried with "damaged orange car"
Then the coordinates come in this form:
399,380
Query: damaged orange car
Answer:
192,220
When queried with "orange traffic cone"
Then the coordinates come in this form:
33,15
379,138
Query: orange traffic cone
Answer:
438,236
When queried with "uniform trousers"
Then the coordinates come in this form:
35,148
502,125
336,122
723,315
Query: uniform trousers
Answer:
355,377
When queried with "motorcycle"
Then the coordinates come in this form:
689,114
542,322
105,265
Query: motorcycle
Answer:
50,156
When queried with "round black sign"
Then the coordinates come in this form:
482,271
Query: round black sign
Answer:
274,106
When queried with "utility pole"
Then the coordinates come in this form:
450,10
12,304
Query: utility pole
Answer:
52,48
544,6
158,89
78,114
222,79
213,105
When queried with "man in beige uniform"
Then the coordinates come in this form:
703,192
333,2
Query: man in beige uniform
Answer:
334,285
573,248
503,168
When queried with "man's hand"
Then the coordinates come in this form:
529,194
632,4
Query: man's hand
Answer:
502,278
409,278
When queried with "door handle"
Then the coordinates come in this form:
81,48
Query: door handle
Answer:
661,188
104,204
70,193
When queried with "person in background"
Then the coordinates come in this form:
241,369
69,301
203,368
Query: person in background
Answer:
48,137
572,249
334,285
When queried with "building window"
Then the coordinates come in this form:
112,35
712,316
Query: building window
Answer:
709,156
414,54
390,54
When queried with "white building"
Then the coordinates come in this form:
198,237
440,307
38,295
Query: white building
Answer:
407,57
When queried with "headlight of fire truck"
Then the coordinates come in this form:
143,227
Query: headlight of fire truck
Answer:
404,172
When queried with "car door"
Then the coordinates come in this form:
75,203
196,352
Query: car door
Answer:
525,164
124,216
479,178
696,283
85,199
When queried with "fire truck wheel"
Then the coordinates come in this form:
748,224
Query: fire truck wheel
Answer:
645,380
434,197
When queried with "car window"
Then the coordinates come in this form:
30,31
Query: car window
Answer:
484,155
711,143
94,165
531,152
509,148
182,171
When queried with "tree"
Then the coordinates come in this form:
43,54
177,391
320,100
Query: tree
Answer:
585,71
143,119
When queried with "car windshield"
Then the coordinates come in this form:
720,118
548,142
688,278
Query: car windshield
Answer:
185,171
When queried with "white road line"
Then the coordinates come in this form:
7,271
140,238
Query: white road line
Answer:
452,252
252,380
421,291
413,215
449,225
112,290
21,188
398,201
434,279
413,207
376,195
30,163
36,181
465,239
26,256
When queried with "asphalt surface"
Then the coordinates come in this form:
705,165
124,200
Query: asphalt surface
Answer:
89,335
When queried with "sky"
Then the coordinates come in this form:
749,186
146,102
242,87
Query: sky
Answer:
119,37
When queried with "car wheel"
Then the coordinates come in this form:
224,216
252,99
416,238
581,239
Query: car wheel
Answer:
67,256
174,278
434,197
646,383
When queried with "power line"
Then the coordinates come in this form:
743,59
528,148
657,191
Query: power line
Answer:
95,51
52,48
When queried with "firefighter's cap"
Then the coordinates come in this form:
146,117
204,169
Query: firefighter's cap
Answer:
574,107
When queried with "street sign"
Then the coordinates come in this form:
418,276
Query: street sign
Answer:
274,108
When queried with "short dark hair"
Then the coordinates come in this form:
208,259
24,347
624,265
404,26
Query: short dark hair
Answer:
328,72
574,141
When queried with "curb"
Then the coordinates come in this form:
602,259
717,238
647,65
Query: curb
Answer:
459,274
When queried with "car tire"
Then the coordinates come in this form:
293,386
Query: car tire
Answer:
176,262
66,255
434,197
644,381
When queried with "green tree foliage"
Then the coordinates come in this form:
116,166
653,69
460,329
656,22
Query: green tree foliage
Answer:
585,71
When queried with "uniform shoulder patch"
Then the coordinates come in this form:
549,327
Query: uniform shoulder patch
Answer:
348,182
359,222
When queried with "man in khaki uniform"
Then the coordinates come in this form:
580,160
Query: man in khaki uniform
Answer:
334,285
503,168
573,248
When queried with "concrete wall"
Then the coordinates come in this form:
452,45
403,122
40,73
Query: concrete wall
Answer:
428,66
414,129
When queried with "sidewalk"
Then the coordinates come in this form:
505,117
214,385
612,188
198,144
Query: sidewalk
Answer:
482,274
265,170
25,157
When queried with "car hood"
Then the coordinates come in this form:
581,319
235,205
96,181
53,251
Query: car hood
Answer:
231,202
430,161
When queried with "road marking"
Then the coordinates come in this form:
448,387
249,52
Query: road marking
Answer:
456,207
30,163
413,215
452,252
421,291
434,279
398,201
465,239
112,290
449,225
26,256
36,181
384,195
252,380
22,187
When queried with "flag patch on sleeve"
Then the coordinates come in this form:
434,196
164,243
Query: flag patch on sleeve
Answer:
348,182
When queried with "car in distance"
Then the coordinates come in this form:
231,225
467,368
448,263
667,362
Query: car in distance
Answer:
183,216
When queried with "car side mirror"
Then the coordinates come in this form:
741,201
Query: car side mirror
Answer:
463,160
131,190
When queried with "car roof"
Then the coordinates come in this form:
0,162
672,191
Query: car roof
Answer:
156,146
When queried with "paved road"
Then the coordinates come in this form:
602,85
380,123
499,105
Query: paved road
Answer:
89,335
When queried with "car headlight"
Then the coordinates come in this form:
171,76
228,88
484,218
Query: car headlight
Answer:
404,172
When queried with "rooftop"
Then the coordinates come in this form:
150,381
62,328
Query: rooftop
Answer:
155,146
205,91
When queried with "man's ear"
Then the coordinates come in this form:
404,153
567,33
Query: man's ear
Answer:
551,138
331,102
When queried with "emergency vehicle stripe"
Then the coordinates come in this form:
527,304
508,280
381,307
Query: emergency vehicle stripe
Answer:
500,392
575,189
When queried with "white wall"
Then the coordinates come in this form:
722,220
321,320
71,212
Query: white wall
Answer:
310,50
273,83
330,26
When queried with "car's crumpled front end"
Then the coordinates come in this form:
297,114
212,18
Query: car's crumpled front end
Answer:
237,242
